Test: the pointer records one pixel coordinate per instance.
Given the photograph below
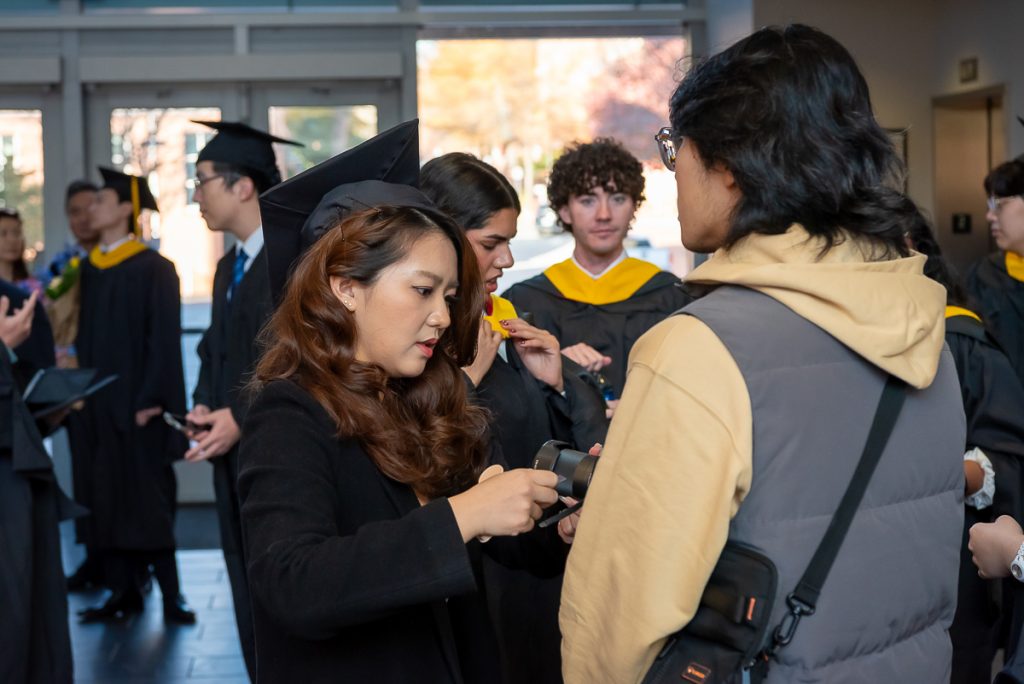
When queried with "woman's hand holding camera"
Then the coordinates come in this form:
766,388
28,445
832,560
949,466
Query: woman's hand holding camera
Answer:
504,505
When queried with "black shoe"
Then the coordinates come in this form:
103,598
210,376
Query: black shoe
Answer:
85,578
118,607
178,612
80,581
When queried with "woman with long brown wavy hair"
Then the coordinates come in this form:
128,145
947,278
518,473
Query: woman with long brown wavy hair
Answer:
360,462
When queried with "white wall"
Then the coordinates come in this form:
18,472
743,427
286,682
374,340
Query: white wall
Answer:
990,31
894,44
727,22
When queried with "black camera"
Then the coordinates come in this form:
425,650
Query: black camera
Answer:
575,468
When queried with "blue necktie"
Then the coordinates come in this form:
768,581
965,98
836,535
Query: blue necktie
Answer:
238,273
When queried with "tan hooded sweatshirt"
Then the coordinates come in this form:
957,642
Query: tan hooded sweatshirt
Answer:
677,463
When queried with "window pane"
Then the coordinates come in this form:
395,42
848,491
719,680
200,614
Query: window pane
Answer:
325,132
518,103
215,4
21,172
25,6
509,4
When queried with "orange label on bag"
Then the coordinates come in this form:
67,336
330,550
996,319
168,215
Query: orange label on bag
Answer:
696,673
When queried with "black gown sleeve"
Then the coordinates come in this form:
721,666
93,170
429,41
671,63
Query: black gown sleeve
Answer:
312,578
163,382
993,397
203,393
584,405
540,552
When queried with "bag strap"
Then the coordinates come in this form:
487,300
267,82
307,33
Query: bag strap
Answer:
804,598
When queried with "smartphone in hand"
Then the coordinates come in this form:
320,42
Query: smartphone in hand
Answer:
181,424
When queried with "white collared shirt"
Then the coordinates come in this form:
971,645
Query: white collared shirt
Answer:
618,260
252,247
107,249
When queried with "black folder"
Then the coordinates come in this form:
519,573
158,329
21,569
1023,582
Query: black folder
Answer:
55,389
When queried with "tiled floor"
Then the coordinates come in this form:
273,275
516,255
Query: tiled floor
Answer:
143,649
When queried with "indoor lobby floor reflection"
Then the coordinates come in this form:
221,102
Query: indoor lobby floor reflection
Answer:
142,649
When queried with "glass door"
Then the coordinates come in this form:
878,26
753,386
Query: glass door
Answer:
21,174
327,119
152,133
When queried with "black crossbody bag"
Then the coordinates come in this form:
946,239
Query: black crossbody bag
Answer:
727,635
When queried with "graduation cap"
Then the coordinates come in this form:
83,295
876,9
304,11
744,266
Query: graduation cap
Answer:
384,170
131,189
245,147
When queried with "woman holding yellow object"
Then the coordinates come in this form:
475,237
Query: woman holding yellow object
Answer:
533,393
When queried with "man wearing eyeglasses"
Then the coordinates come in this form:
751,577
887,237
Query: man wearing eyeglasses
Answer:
233,169
599,301
997,281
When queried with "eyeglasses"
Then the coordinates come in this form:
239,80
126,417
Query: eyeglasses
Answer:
200,181
995,204
667,147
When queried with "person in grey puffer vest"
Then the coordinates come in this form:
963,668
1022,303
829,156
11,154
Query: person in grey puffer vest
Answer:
743,418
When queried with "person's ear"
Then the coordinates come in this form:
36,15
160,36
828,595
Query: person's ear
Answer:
728,179
244,189
565,215
345,292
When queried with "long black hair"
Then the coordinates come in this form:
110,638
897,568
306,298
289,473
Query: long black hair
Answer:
922,237
467,189
787,111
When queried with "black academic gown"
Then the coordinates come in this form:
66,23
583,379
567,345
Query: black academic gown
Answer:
131,326
611,329
38,351
352,580
35,645
228,353
525,414
993,402
1000,301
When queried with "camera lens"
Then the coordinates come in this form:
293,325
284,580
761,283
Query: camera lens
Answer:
575,468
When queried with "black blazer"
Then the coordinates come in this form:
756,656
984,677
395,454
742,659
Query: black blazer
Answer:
228,351
352,580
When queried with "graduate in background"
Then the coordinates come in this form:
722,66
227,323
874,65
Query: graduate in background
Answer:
13,268
997,281
34,642
131,326
531,394
36,352
993,397
63,306
60,277
232,170
599,301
